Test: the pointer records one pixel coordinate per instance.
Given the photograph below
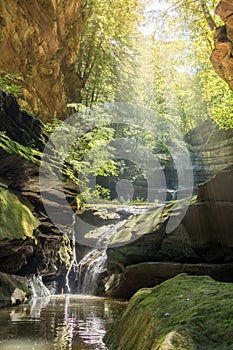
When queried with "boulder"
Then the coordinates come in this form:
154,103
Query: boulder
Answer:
12,291
182,313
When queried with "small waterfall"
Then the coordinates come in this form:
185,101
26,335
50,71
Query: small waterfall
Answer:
35,284
92,265
91,268
37,287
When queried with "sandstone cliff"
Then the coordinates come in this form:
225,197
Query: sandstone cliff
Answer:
200,245
212,146
39,40
222,56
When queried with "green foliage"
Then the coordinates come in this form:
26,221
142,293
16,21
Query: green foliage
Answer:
11,83
90,152
107,47
187,89
26,152
218,98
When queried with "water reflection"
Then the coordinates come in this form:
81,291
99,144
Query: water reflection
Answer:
60,322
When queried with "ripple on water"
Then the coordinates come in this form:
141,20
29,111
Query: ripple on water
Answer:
65,322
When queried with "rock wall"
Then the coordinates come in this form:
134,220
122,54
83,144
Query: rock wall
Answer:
12,291
29,242
144,255
222,56
213,147
39,40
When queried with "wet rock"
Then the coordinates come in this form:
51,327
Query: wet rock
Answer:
150,274
201,244
30,243
12,291
182,313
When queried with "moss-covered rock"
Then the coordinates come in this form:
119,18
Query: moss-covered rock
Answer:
182,313
12,291
22,141
17,220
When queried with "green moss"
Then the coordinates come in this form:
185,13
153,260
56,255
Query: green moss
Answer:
16,218
12,147
139,226
182,313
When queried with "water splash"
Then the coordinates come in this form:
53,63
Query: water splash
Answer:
35,284
93,264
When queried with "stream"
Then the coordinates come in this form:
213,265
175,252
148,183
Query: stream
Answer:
67,321
59,322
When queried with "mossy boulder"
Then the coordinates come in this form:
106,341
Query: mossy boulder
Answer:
16,218
12,291
182,313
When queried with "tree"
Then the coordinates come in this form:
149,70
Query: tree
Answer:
107,46
186,88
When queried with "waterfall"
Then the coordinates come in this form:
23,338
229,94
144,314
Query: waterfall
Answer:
37,287
91,268
35,284
93,263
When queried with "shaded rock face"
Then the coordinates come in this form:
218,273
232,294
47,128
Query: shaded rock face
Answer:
27,248
12,291
182,313
40,40
201,244
222,55
213,147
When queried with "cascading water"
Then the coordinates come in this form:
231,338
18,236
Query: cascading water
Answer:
93,264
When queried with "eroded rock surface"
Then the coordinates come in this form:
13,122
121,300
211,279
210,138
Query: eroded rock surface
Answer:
214,148
222,56
30,243
39,40
144,254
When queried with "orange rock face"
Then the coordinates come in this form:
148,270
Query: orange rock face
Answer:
222,56
39,40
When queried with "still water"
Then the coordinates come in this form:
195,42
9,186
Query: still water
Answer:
63,322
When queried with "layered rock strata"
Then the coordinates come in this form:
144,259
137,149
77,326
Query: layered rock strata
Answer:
143,254
30,243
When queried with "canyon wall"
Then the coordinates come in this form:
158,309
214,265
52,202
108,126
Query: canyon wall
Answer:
39,40
222,56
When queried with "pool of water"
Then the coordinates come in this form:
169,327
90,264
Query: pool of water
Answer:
63,322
